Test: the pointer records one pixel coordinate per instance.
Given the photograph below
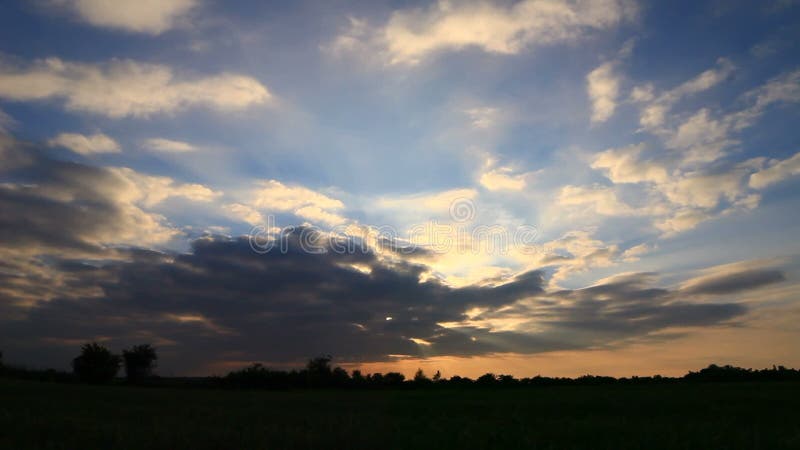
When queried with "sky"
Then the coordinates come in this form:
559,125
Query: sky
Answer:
525,187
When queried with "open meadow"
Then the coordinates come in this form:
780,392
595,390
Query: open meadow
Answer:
38,415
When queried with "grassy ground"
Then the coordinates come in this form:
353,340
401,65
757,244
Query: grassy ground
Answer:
695,416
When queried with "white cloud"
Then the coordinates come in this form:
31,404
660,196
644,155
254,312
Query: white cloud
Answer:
86,145
601,199
633,253
701,138
140,16
623,165
244,213
413,34
656,108
776,172
691,183
317,214
273,194
502,179
151,190
437,203
603,89
682,220
482,118
704,190
123,88
168,145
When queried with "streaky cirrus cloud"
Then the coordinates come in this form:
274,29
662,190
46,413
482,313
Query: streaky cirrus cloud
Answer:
126,88
777,171
168,145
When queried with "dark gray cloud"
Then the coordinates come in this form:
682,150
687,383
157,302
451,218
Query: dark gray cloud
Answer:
52,206
735,282
60,285
224,302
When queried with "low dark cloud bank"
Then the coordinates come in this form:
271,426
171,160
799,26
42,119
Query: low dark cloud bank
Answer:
62,284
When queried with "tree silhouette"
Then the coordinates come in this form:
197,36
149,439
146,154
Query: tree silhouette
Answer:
487,379
421,378
319,371
95,364
140,360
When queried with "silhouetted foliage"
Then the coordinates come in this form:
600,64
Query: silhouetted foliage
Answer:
96,364
393,379
730,373
140,360
420,378
319,372
486,379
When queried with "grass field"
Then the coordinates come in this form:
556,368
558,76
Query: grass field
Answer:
667,416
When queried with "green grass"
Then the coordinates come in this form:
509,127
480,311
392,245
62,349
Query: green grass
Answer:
678,416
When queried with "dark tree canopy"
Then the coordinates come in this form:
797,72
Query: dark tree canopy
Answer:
96,364
140,360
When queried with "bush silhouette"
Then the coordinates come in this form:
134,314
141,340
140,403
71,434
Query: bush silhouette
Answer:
140,360
96,364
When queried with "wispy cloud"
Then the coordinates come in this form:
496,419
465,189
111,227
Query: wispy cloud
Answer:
123,88
411,35
142,16
86,145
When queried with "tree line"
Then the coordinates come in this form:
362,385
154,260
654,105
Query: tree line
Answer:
96,364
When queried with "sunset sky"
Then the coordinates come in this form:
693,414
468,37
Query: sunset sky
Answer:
531,187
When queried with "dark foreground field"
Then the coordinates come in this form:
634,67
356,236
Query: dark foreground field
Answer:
679,416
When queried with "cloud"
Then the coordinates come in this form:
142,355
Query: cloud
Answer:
142,16
691,182
168,145
126,88
705,190
6,122
86,145
484,117
502,179
633,253
244,213
151,190
701,138
319,215
62,206
209,306
655,108
734,278
734,282
411,35
603,89
776,172
624,165
600,199
437,203
272,194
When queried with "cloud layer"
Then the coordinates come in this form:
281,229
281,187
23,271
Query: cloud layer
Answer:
126,88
